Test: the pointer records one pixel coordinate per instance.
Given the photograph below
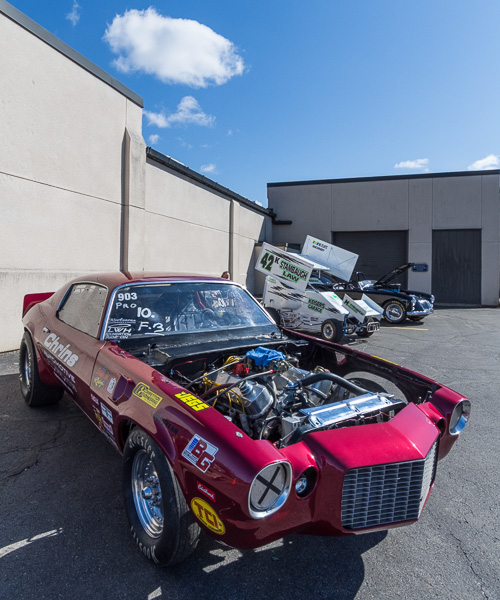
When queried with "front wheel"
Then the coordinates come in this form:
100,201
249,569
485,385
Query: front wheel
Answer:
394,312
160,520
364,333
34,391
332,331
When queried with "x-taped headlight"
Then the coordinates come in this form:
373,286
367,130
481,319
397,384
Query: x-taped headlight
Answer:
459,417
269,489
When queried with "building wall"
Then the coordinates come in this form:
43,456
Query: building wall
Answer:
417,204
77,194
189,227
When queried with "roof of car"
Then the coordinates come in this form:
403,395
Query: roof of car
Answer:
118,278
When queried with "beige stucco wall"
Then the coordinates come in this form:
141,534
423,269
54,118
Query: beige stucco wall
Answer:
191,228
76,192
61,132
416,205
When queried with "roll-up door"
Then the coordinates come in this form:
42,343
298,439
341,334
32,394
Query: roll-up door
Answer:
456,266
379,251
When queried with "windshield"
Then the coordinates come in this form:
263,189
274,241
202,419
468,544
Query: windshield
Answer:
162,309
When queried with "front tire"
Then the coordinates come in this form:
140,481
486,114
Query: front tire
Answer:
364,333
332,331
34,391
394,312
160,520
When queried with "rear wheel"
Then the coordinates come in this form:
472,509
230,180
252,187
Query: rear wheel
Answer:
394,312
160,520
332,331
34,391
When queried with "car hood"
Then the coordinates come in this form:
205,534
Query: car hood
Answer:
385,279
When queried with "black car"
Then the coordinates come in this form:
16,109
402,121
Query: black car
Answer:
397,304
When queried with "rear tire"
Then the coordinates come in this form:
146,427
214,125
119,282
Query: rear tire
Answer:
163,527
332,331
34,391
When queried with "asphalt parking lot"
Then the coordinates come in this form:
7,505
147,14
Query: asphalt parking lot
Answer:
63,530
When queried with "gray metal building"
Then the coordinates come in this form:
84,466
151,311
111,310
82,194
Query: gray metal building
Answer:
448,223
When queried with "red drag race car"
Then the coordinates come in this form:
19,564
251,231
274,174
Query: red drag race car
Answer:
229,424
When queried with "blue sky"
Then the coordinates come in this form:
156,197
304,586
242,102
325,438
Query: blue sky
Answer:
254,92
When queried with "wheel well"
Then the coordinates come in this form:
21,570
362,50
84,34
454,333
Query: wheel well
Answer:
126,427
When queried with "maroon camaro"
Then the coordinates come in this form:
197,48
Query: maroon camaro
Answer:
228,423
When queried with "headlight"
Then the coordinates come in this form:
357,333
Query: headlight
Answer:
269,489
432,299
459,417
413,301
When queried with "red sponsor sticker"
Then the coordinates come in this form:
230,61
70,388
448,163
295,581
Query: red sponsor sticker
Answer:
201,487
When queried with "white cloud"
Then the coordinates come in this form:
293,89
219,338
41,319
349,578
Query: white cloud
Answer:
419,163
74,14
492,161
188,112
174,50
154,139
208,168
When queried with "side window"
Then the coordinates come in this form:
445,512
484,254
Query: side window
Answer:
83,307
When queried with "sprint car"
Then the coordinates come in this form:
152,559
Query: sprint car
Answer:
398,304
229,424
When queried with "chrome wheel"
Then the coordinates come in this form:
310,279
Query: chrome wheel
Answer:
394,312
328,331
26,370
146,492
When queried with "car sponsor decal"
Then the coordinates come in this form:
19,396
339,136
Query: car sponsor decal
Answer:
143,392
65,377
201,487
101,376
95,399
192,401
315,305
200,453
63,352
107,427
111,385
353,307
106,412
207,515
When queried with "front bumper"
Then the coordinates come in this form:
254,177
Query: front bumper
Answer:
422,308
370,477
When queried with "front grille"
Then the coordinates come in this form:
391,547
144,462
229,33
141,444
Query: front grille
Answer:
385,494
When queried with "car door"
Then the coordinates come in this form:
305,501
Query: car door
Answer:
71,343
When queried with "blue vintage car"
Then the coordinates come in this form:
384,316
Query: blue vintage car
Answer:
398,304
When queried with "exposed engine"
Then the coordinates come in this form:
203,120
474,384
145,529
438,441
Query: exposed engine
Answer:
268,396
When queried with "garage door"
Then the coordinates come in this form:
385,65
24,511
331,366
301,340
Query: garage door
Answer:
379,251
456,266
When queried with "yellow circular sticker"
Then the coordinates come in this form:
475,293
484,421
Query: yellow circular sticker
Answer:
207,515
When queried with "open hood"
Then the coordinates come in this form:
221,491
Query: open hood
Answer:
385,279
